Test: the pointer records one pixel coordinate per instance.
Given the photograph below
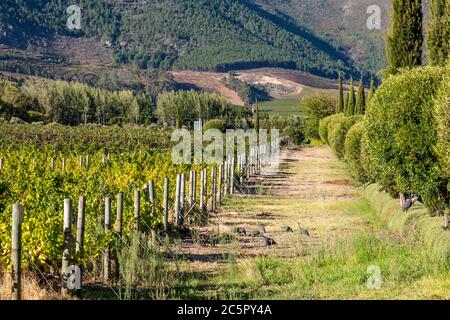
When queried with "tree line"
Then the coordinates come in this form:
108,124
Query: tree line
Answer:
71,103
405,41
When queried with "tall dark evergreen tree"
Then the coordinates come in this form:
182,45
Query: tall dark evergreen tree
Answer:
405,37
340,106
371,90
346,103
360,107
351,100
438,38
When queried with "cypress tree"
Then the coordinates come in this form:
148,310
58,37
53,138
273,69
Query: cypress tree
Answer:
405,37
340,106
346,103
438,40
371,90
360,107
351,100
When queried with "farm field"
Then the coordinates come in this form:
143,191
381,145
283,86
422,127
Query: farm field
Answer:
205,152
313,191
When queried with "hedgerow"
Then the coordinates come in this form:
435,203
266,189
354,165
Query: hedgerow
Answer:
402,135
337,131
353,153
323,126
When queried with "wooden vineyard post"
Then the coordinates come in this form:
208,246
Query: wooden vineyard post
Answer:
106,257
151,195
240,168
81,162
80,225
226,185
88,162
166,205
219,190
213,188
232,175
63,164
137,210
191,191
182,197
16,252
52,163
202,191
177,199
80,235
194,183
67,236
119,214
1,163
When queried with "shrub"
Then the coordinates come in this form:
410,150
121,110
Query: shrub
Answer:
315,109
353,152
402,135
323,126
219,124
295,134
337,131
442,118
364,160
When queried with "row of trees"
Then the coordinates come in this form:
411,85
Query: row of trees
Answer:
402,143
352,103
71,103
405,39
182,108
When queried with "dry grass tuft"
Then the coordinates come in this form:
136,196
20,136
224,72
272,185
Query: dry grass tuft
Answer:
31,289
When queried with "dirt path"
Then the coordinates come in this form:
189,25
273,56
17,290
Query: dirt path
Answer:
311,190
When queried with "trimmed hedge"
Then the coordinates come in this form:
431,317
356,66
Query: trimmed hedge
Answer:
323,126
337,131
416,223
402,136
442,118
355,153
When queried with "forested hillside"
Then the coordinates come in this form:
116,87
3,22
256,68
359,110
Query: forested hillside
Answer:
342,23
184,34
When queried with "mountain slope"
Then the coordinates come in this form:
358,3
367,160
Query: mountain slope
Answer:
216,35
341,22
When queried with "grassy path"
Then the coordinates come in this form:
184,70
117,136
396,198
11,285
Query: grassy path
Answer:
311,190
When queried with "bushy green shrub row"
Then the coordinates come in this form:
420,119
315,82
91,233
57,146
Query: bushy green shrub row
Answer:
337,131
403,142
402,136
328,121
355,153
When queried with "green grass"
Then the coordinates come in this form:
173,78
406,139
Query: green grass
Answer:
336,271
284,106
291,105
